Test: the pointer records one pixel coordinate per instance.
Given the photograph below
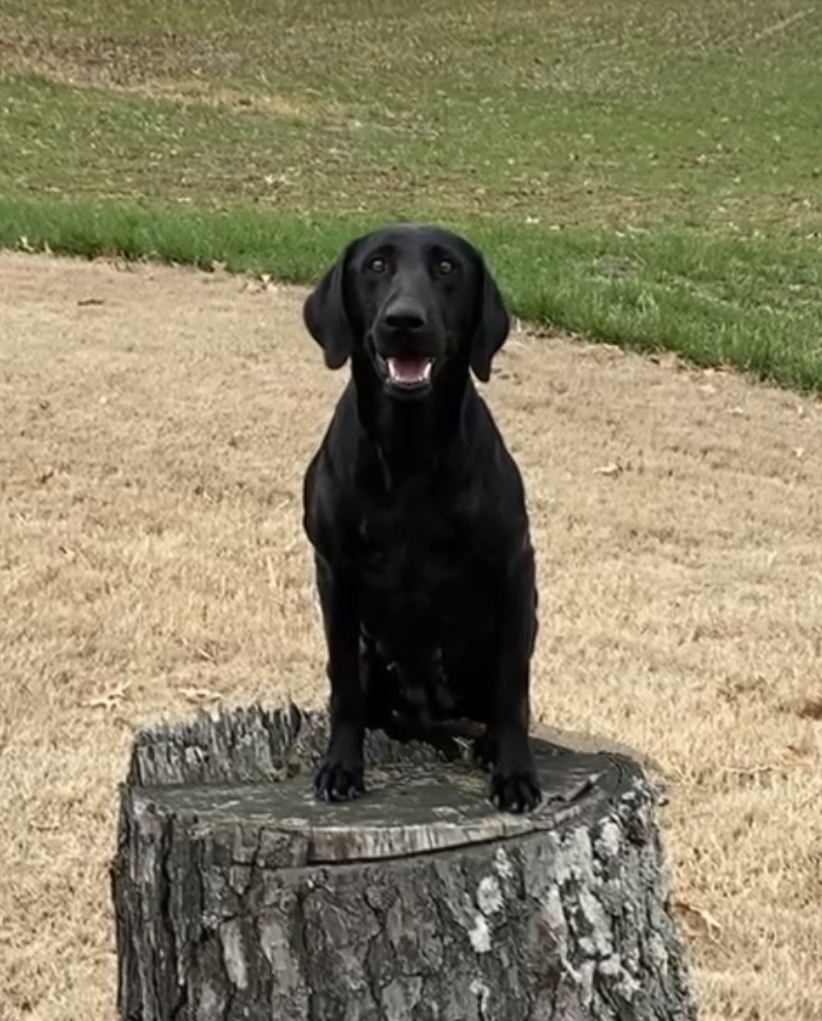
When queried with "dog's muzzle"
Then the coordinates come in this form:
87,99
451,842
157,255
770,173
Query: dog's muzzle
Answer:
405,346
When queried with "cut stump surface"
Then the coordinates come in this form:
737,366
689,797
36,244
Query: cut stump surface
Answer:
239,896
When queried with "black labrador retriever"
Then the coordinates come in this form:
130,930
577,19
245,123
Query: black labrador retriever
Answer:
416,511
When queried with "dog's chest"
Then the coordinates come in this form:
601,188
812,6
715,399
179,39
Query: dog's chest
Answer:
417,559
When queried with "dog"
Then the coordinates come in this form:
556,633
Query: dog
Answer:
416,511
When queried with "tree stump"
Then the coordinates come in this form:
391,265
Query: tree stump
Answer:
238,896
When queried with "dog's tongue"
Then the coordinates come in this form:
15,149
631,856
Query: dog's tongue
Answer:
409,369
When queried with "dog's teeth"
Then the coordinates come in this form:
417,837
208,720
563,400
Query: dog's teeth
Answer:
409,371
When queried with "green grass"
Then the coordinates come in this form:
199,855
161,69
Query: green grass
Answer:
756,305
642,171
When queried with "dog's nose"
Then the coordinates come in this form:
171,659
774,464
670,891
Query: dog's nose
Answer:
404,318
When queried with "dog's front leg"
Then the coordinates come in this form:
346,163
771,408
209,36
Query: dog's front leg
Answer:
340,777
514,781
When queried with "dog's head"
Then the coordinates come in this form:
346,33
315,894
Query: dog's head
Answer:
409,299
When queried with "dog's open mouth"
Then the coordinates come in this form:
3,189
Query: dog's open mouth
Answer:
409,372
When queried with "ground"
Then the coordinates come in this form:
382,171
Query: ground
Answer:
155,425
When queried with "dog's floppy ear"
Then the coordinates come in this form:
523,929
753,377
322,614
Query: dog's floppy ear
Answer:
326,315
492,325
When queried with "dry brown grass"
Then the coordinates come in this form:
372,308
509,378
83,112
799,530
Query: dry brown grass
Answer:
154,428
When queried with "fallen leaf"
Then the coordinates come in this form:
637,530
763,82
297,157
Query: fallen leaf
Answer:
204,653
696,918
110,698
804,752
810,708
42,827
200,695
749,771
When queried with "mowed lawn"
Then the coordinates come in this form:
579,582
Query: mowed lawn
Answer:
644,173
697,114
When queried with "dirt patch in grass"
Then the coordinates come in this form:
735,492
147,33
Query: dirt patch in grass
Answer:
21,57
155,427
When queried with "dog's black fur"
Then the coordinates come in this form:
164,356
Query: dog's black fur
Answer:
416,510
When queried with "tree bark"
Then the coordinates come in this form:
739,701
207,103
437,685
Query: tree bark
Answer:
238,896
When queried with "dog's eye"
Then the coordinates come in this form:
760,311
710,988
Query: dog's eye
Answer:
444,267
377,264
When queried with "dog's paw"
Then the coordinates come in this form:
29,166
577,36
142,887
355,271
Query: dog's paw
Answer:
514,781
339,780
515,792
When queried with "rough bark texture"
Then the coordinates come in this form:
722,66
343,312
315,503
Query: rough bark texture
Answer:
237,896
